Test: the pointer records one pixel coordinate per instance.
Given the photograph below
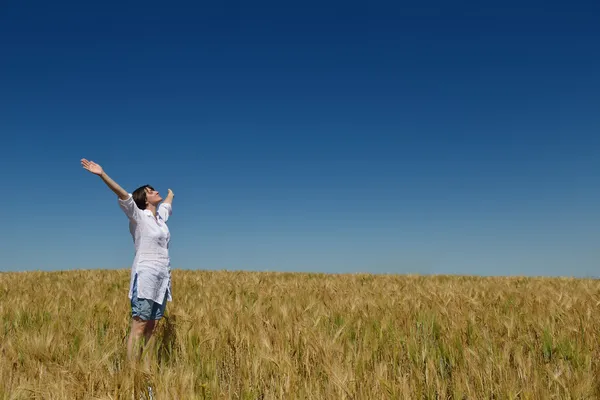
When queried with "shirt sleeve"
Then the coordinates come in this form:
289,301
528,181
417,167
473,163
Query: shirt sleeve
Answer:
165,210
130,208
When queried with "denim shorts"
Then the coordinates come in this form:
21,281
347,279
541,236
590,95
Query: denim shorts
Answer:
146,309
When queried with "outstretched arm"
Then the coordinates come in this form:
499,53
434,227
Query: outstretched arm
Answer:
165,209
169,198
97,170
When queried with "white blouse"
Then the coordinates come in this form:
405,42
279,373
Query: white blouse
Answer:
151,238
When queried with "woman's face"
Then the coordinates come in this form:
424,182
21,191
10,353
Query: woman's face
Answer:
152,196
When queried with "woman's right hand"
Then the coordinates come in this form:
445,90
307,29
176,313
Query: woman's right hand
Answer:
91,166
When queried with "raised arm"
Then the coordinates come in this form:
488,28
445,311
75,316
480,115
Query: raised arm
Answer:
97,170
165,209
169,198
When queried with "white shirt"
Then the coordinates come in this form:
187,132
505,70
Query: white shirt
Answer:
151,238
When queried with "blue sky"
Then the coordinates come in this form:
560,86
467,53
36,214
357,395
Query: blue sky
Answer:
458,138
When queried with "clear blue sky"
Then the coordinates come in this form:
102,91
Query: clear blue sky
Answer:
456,138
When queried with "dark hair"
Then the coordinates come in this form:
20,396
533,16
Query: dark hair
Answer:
139,196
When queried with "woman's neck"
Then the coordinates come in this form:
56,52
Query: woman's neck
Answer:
151,208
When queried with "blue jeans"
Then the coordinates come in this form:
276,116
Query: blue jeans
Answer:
146,309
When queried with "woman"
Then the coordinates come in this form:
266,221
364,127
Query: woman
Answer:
150,284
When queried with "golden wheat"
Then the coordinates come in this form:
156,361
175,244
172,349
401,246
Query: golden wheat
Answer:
250,335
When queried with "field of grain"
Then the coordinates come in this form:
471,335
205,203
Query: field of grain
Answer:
249,335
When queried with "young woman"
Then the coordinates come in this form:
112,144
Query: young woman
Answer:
150,283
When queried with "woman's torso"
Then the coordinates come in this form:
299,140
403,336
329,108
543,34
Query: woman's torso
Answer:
151,238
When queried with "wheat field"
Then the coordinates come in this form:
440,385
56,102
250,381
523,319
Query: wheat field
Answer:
262,335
